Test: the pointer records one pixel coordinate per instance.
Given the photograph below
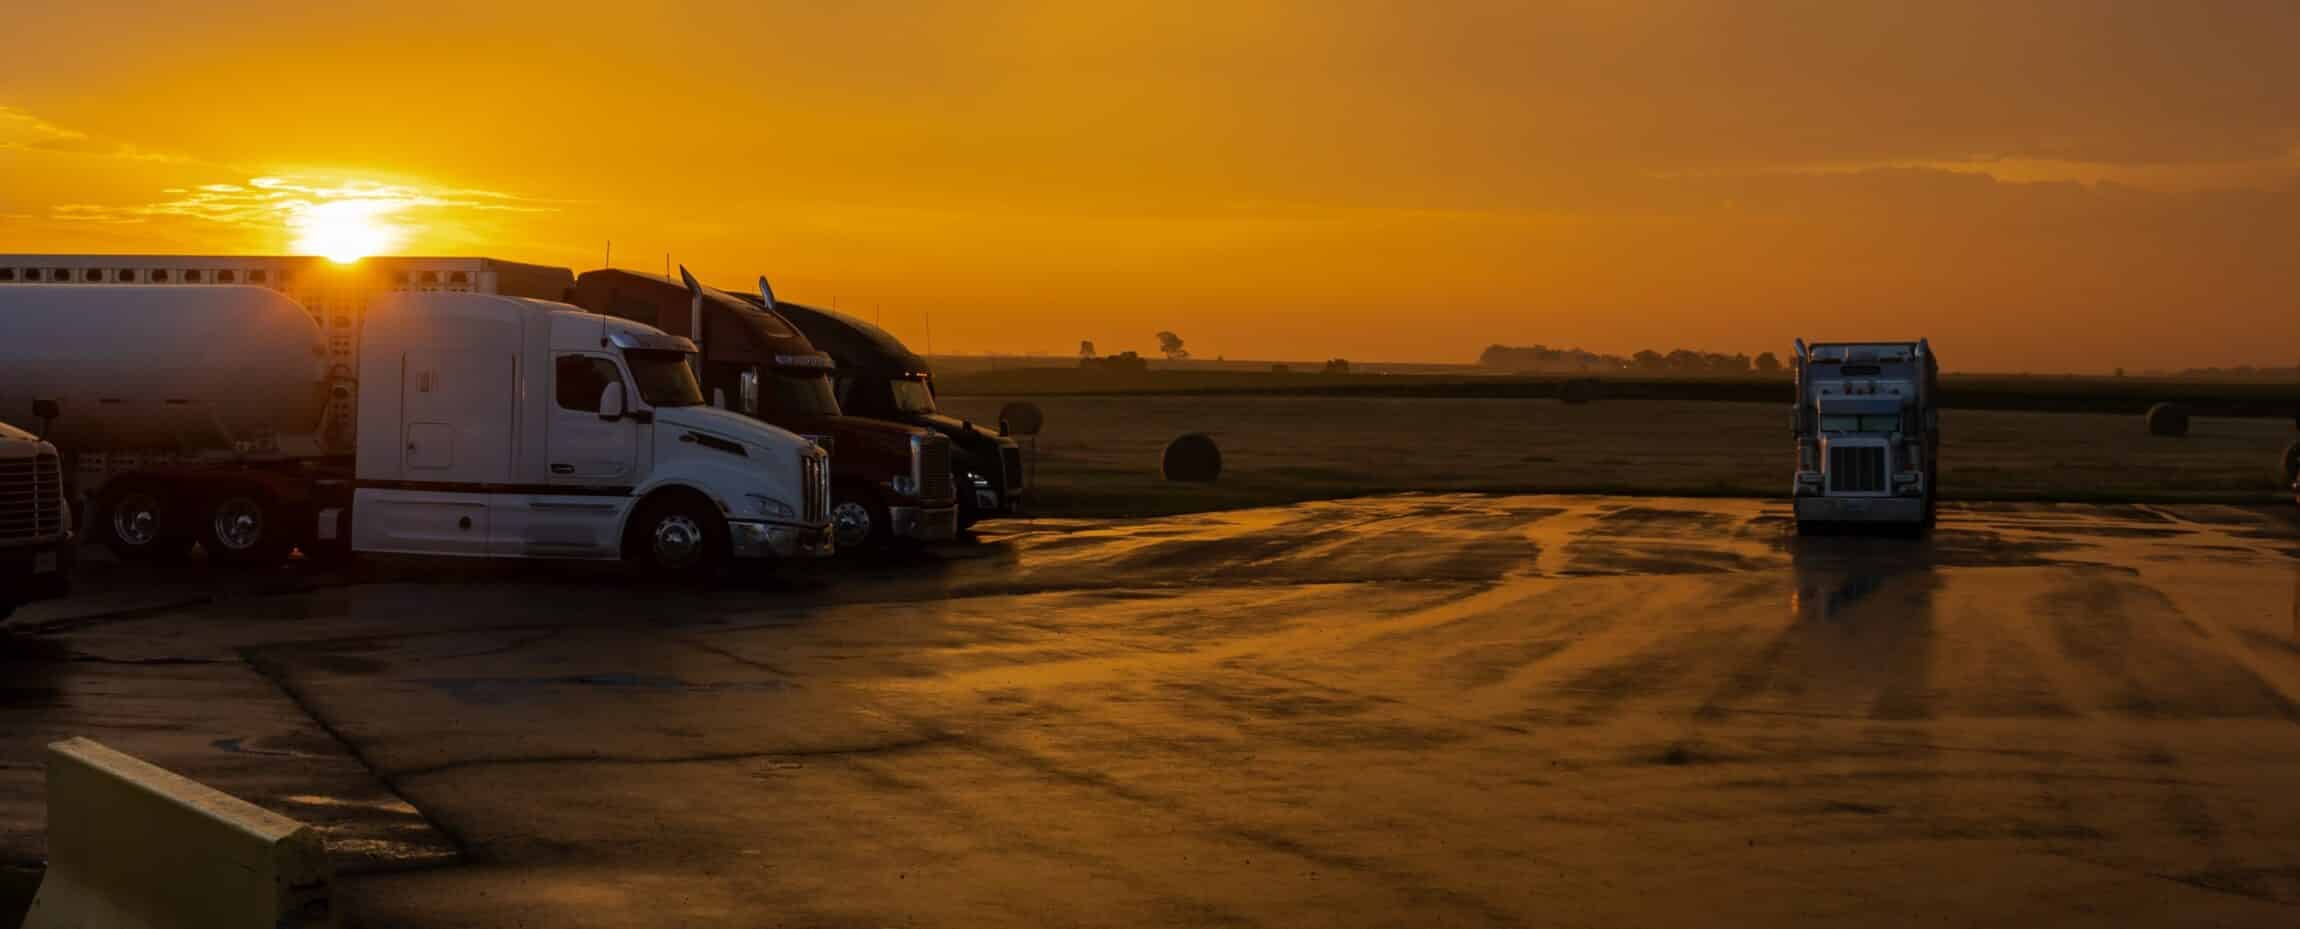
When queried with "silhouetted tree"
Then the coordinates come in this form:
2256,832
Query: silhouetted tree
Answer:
1650,360
1085,349
1171,344
1768,363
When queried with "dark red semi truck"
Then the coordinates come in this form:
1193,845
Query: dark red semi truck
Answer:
889,482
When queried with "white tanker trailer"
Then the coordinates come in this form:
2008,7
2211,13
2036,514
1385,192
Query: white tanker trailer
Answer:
166,370
484,425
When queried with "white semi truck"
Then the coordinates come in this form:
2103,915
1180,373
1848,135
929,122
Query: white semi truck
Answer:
473,424
35,521
1868,428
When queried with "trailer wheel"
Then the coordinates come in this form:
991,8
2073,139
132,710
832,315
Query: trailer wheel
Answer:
677,537
243,526
133,518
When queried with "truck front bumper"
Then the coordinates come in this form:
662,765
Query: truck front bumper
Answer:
749,539
1860,509
923,524
36,571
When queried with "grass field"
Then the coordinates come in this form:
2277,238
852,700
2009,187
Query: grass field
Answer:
1099,454
2039,393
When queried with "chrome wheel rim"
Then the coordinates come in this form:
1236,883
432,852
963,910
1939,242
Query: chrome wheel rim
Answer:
678,541
239,523
850,523
136,519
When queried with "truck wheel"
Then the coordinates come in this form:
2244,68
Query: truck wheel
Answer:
133,519
858,521
242,526
677,537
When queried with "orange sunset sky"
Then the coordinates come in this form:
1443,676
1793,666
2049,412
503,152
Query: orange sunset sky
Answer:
2053,186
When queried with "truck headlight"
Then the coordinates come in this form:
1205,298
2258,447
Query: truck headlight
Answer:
906,485
977,479
770,507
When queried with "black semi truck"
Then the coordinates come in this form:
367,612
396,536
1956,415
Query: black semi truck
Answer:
879,377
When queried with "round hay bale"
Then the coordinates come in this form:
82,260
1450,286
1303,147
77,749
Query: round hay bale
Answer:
1582,390
1022,417
2168,419
2292,463
1193,457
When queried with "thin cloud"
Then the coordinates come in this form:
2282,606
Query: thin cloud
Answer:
21,131
284,201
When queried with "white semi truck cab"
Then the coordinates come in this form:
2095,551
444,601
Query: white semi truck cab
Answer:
1868,433
507,426
35,521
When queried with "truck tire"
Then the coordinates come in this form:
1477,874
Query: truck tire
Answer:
136,520
859,521
677,537
244,526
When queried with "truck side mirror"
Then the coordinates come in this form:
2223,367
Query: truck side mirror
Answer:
611,402
46,412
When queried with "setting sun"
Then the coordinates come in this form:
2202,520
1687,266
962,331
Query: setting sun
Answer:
345,230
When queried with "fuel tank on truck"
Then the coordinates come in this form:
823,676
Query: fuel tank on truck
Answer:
161,367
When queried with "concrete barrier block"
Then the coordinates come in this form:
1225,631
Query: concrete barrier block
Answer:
133,846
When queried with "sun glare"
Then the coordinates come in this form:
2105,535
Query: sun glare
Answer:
346,230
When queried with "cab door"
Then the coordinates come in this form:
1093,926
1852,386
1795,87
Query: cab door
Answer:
590,465
584,451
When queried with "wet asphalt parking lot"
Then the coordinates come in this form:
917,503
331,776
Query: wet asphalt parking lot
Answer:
1400,711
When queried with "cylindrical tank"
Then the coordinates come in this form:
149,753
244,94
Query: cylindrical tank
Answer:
161,367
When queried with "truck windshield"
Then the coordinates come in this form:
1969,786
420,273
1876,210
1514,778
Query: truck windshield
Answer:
663,377
912,396
1877,422
803,393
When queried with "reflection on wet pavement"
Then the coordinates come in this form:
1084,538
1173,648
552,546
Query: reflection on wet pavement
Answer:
1408,710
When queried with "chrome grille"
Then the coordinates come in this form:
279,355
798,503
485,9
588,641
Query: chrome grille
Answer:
930,462
31,491
1010,461
1856,469
815,486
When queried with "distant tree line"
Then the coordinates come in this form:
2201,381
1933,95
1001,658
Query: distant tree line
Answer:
1543,359
2238,373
